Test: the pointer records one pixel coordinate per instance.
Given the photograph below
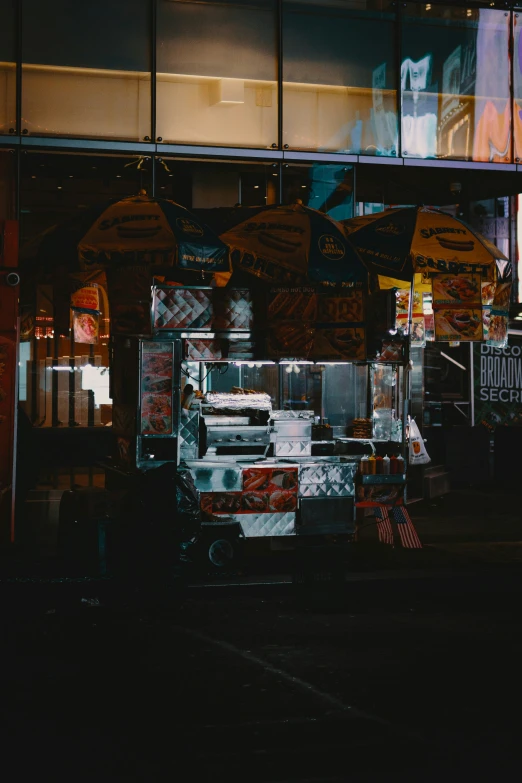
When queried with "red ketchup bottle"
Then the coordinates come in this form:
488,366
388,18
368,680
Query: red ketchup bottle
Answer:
393,464
378,465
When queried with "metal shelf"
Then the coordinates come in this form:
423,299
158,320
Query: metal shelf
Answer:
384,478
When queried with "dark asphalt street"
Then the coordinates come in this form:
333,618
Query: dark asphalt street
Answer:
408,678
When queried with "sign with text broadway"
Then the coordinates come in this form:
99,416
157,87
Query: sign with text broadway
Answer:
498,385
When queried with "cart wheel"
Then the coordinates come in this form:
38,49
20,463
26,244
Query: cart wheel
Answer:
221,553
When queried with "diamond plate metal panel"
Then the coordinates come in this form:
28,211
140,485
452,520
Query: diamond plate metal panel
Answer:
208,350
327,490
293,448
327,479
182,308
189,429
234,309
261,525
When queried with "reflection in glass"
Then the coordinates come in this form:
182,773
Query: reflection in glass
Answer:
86,68
217,72
208,185
325,187
8,66
339,83
455,83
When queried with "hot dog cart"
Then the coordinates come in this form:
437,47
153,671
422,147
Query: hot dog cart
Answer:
264,441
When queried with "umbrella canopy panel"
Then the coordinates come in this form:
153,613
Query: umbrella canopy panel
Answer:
143,229
397,243
294,245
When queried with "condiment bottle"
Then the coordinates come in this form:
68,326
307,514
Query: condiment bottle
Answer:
372,464
393,464
364,466
378,465
400,464
386,465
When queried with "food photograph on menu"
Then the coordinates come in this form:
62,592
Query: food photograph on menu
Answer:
85,327
456,324
156,414
456,289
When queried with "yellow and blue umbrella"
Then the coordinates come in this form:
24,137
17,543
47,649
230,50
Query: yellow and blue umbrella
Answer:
294,245
141,230
397,243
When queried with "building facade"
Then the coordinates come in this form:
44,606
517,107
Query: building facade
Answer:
348,105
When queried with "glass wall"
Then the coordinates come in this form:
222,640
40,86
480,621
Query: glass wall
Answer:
217,72
221,66
65,378
8,67
339,76
203,184
325,187
455,83
86,68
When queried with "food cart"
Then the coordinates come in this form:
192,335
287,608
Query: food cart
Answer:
285,408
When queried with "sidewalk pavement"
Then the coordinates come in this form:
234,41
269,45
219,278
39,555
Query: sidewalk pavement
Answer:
468,527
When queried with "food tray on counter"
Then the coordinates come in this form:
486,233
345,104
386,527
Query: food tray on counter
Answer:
383,478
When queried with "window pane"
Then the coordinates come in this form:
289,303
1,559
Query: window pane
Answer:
203,185
8,66
55,188
339,75
325,187
217,72
455,76
86,68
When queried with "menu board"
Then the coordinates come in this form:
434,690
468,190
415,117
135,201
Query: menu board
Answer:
457,308
156,389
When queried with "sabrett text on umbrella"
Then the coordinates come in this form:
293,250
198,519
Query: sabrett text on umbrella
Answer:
115,221
274,227
430,232
454,267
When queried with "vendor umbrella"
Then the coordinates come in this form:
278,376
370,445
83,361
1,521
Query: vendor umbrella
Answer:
141,230
294,245
397,243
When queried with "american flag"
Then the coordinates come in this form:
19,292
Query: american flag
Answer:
408,534
384,528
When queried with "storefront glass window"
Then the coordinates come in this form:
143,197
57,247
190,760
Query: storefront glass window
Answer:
61,389
8,67
217,72
86,69
325,187
339,76
455,83
208,185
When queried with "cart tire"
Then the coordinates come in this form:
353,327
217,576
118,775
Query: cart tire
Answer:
221,553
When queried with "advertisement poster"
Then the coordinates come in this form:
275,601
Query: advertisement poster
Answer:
86,298
418,332
458,324
497,378
333,344
345,309
86,327
316,307
156,389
